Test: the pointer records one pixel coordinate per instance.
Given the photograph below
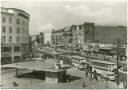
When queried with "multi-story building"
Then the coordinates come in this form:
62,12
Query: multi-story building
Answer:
80,35
14,34
83,33
57,36
110,34
75,35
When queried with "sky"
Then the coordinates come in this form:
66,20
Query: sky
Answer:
48,15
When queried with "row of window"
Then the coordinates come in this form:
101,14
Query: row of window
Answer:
17,30
101,68
99,64
9,49
10,39
4,20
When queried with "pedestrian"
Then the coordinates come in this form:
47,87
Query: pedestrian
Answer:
102,77
83,83
91,76
95,75
68,78
86,74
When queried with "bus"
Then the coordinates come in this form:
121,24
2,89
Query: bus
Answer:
105,69
79,62
123,76
38,57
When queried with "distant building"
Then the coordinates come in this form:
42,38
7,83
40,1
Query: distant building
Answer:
83,33
80,35
74,35
57,36
110,34
41,37
14,34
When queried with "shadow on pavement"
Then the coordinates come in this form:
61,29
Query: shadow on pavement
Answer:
37,75
66,67
72,78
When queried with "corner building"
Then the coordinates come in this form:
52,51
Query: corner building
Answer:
14,35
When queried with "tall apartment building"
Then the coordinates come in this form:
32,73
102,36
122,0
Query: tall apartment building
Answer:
14,34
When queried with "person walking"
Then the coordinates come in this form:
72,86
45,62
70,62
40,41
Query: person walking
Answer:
86,73
83,84
95,75
68,78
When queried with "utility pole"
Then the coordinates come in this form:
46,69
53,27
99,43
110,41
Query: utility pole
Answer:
118,46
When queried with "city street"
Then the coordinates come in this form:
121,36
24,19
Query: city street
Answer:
63,45
77,78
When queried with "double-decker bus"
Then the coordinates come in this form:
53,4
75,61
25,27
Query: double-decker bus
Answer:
123,76
79,62
104,68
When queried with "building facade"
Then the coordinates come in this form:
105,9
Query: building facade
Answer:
110,34
83,33
57,36
14,34
74,35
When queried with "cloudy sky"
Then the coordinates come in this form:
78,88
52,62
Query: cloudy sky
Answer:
48,15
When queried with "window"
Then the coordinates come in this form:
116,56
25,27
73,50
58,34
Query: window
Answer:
18,31
10,38
18,39
18,21
4,19
4,38
3,29
10,29
6,49
20,14
10,19
16,49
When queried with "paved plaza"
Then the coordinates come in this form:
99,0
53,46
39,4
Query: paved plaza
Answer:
77,79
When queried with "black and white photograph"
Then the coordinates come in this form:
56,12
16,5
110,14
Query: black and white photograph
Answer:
63,44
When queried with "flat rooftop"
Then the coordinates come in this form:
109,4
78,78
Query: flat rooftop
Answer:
47,65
